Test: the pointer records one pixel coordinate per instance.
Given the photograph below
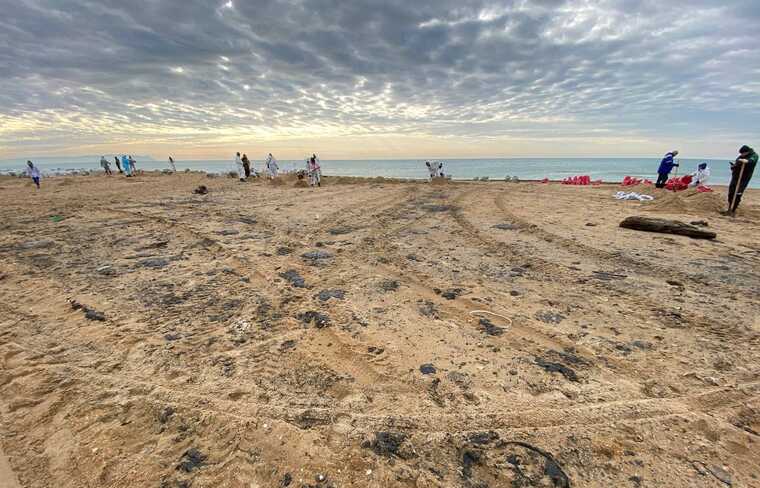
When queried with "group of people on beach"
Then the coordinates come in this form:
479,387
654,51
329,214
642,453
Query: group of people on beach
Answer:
245,168
699,177
742,169
126,166
271,170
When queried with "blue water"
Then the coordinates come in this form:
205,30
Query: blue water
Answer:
606,169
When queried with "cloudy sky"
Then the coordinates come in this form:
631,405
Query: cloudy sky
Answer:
379,78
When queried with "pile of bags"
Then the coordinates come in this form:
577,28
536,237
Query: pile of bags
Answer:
631,181
673,184
580,180
678,183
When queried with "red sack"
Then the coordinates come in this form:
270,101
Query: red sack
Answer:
678,184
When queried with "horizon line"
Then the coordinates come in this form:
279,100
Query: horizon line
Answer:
482,158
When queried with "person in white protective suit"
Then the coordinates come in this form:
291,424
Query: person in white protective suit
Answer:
315,171
700,176
240,168
271,165
432,168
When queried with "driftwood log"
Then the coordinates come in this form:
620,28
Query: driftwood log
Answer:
649,224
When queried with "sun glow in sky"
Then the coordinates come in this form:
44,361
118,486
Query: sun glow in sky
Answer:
369,79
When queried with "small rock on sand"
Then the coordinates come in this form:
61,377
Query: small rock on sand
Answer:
154,263
481,438
489,328
389,285
316,258
92,314
557,368
320,320
427,368
549,317
387,444
449,294
325,295
427,308
193,458
89,313
165,415
295,279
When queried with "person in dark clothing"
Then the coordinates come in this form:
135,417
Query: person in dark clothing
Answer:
741,172
118,164
246,166
666,166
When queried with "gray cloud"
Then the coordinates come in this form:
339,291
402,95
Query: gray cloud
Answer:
162,70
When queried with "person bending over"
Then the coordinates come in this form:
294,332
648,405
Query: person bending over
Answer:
666,166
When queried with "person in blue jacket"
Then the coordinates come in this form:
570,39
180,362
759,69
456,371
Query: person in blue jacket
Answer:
125,164
666,166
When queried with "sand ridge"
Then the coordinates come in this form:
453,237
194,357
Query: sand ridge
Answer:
270,335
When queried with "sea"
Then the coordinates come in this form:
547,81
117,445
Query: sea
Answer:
605,169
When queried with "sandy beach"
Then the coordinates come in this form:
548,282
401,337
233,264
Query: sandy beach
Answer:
373,333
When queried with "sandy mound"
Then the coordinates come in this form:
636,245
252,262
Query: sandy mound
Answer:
439,181
301,184
688,202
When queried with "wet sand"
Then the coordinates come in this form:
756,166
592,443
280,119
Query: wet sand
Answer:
375,334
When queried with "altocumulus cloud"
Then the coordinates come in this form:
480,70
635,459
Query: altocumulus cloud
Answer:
85,74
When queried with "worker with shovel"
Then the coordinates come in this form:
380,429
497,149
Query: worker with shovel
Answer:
666,166
741,173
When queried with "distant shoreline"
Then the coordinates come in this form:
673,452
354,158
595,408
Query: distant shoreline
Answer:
606,170
327,178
